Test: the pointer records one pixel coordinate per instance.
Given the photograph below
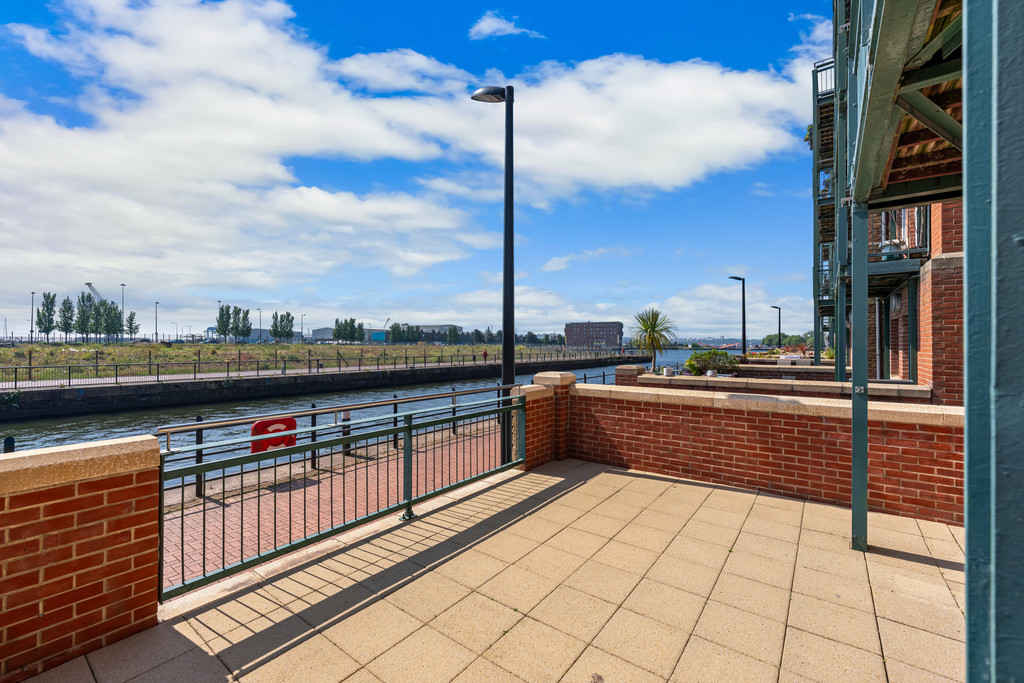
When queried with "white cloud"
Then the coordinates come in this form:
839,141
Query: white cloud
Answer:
562,262
493,24
404,69
182,177
762,190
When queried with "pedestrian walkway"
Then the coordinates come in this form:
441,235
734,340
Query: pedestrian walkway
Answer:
577,572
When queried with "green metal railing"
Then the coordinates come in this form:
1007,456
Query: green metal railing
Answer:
252,507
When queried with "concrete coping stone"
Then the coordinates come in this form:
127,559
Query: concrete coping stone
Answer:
786,385
947,416
533,392
47,467
555,379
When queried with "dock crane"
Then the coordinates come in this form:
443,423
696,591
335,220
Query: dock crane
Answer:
94,292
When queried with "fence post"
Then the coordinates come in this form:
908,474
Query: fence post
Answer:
96,364
454,430
200,476
115,374
9,444
312,436
158,371
407,469
30,365
227,369
309,361
346,430
150,370
284,364
394,410
16,376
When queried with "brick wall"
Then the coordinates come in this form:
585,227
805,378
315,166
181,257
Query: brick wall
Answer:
915,453
626,375
947,228
540,421
79,550
940,359
882,391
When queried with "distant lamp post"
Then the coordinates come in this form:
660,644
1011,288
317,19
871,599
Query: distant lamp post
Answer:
32,318
743,300
302,328
175,329
508,350
156,322
216,330
778,342
261,325
122,311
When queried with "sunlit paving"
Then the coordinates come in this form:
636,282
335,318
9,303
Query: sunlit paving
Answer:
579,572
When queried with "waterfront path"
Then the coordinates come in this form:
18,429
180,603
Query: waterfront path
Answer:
576,572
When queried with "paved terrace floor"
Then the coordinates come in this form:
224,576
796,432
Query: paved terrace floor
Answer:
577,572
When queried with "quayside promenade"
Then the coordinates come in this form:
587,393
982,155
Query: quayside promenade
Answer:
571,571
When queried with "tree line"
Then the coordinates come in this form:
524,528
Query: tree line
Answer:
86,317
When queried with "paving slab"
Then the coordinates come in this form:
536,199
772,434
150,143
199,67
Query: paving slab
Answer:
573,571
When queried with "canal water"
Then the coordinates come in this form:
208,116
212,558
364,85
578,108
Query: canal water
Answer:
69,430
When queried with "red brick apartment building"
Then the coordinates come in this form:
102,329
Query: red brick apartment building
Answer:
594,335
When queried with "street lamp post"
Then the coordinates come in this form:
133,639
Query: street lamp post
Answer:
302,328
156,322
175,329
743,300
216,329
261,325
508,353
122,312
778,341
32,318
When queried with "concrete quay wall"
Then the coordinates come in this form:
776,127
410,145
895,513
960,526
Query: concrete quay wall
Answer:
85,400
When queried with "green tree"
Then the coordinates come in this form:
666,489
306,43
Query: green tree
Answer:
774,339
531,338
45,314
282,326
244,326
478,337
453,335
66,322
792,340
652,332
488,335
223,327
131,325
360,334
83,315
340,331
396,334
413,333
110,320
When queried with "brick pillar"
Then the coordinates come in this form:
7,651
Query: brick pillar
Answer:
559,383
940,361
79,550
626,375
540,422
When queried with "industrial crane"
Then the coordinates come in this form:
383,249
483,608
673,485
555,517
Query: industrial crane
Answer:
95,293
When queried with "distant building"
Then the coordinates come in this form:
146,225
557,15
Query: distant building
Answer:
594,335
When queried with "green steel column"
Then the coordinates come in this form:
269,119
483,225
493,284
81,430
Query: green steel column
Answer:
913,303
1007,380
859,334
840,258
816,214
886,339
978,28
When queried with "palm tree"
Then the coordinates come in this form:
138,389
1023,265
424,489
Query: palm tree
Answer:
653,332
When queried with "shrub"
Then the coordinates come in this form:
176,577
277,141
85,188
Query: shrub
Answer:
720,361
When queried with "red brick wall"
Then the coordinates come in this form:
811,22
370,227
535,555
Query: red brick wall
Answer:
914,469
940,360
540,431
947,228
790,392
626,375
78,563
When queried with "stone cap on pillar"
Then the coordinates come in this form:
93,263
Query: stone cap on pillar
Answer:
629,370
532,392
46,467
555,379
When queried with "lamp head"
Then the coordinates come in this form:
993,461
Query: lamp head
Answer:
489,93
736,277
777,308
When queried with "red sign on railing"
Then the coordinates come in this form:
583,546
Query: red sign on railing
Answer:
277,424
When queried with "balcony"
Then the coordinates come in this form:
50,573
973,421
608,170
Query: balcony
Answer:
571,570
652,541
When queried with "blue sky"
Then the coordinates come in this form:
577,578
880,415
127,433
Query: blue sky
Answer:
325,158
